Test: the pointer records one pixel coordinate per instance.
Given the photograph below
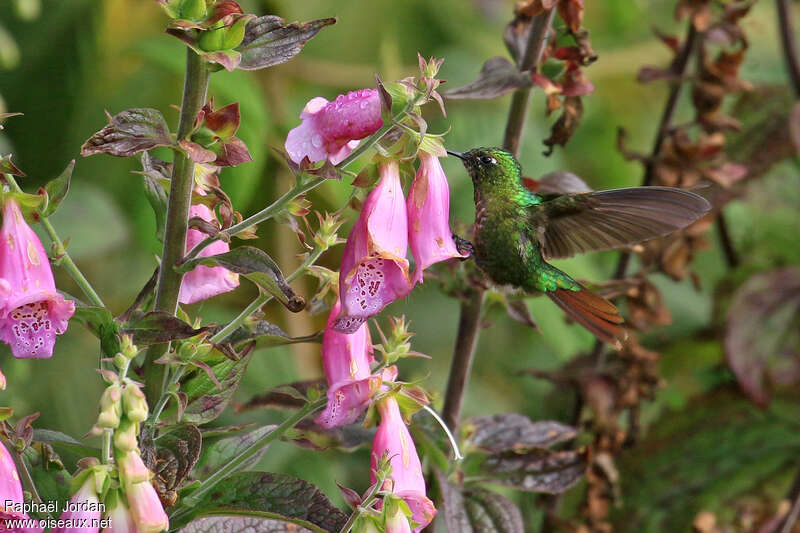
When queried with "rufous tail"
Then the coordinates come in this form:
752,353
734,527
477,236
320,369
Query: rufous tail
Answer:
593,312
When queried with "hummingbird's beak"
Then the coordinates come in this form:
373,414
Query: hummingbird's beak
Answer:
457,154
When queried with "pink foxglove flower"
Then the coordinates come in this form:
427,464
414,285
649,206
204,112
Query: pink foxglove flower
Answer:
11,498
428,206
330,130
120,519
32,313
394,439
83,510
146,508
346,359
374,270
205,282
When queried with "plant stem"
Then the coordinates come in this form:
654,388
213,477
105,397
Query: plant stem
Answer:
63,256
787,524
234,464
364,505
262,299
180,197
464,353
470,314
530,62
789,43
106,451
223,334
731,256
677,69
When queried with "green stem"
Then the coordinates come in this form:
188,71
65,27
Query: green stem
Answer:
223,334
180,197
471,307
518,112
262,299
363,506
106,451
234,464
64,257
301,187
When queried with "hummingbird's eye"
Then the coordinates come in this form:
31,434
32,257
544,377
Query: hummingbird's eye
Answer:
488,160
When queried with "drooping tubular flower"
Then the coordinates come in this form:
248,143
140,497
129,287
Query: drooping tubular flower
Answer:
346,359
406,481
374,270
84,510
11,498
428,206
330,130
32,313
205,282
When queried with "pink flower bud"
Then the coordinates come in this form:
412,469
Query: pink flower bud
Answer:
346,359
135,403
32,313
374,270
428,207
83,510
205,282
330,130
407,482
146,508
131,468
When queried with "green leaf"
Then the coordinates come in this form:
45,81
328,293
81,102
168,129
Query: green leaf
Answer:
64,443
157,197
8,167
267,335
268,41
57,190
223,450
273,496
51,480
157,327
129,132
100,322
205,401
256,266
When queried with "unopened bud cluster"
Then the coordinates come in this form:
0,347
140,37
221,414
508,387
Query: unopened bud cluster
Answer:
397,345
327,235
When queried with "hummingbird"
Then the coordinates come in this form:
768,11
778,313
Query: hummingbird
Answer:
517,231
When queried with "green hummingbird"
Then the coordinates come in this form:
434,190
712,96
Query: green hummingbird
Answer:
517,231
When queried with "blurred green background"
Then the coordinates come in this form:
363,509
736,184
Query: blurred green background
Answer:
77,58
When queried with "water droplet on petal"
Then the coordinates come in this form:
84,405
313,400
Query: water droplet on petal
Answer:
316,140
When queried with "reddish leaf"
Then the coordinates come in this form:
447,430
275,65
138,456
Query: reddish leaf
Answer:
496,78
513,431
269,41
128,133
762,339
224,122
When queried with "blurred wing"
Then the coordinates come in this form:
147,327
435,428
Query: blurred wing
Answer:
606,220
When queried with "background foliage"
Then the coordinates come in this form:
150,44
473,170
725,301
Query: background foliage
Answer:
705,446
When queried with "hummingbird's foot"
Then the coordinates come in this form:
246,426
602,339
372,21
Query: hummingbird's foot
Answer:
464,247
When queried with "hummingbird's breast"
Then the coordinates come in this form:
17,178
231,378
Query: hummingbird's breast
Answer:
503,247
